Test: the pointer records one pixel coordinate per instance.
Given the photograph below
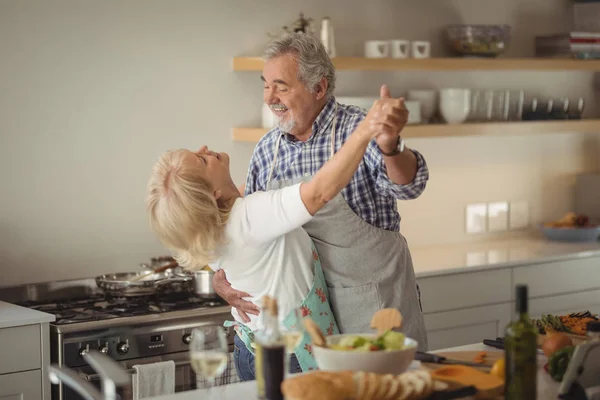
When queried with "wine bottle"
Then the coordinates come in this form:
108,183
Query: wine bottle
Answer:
520,352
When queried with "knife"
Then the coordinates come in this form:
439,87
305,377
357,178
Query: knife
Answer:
434,358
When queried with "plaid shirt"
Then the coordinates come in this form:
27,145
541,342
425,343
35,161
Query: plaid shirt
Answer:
370,193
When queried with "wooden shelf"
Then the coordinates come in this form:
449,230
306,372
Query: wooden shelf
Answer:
469,129
440,64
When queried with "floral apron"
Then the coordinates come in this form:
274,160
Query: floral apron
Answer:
315,305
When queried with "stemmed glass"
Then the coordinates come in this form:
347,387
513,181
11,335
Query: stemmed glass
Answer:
208,352
292,336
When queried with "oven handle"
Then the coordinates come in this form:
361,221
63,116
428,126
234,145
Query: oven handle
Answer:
95,377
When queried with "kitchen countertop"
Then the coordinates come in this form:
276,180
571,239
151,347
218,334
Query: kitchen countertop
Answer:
440,260
547,388
12,315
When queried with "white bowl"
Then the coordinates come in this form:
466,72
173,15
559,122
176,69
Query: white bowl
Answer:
381,362
455,105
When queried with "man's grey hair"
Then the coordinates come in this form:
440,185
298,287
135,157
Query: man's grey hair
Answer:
313,62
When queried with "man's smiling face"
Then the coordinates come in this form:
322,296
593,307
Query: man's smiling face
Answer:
292,103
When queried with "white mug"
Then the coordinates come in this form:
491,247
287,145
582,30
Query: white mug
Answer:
421,49
400,48
377,49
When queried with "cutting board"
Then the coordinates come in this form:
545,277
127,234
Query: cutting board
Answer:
489,360
491,357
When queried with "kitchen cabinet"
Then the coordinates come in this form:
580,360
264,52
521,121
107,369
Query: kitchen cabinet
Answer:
21,386
468,307
25,335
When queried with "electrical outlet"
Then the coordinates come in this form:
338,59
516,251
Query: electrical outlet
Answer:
498,216
519,214
476,220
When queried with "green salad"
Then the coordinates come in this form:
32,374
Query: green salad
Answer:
387,341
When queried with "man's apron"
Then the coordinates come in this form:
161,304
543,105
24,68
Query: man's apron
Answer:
315,305
366,268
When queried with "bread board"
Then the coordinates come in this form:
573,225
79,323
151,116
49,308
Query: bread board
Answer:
469,356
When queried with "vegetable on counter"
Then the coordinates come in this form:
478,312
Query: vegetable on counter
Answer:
558,362
554,342
572,323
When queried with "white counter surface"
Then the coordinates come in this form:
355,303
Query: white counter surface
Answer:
12,315
468,257
547,388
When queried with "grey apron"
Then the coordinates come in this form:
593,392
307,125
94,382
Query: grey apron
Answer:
366,268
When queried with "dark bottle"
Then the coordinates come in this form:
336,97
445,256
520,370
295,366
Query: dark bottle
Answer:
272,356
520,352
263,319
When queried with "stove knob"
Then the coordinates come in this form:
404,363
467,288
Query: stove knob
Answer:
84,351
187,338
103,349
123,347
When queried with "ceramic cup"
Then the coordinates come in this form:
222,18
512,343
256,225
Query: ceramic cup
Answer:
400,48
421,49
455,105
428,100
377,49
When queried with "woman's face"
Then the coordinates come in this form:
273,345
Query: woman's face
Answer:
213,167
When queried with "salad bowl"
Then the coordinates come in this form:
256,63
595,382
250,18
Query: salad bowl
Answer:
389,353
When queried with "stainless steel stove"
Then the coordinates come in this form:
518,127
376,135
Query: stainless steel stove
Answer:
131,331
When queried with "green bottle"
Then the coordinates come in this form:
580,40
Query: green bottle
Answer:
520,353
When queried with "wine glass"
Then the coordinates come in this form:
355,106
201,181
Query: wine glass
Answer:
208,352
292,336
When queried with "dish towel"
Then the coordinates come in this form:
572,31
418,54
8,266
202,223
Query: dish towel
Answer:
154,379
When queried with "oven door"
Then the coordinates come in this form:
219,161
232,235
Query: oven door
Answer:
185,377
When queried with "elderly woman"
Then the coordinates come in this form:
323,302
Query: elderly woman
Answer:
196,211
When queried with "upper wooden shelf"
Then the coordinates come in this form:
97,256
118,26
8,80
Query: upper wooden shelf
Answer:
440,64
469,129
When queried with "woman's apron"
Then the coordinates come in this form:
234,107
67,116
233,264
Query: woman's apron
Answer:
366,268
315,305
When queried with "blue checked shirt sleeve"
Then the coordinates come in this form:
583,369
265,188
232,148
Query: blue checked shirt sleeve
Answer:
385,186
258,168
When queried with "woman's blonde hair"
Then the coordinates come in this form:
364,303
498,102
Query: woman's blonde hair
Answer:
183,210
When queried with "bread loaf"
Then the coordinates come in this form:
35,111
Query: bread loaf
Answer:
322,385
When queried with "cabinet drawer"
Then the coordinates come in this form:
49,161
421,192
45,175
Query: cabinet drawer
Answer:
21,386
21,348
559,277
462,327
465,290
566,304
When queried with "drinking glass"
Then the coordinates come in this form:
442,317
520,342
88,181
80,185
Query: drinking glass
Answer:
292,336
208,353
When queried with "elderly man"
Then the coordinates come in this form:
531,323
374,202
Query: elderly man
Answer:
366,261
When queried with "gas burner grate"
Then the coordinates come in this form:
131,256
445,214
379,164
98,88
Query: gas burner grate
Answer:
99,307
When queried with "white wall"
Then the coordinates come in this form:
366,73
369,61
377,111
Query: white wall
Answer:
92,91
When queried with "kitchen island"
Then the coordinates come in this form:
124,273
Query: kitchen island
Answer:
547,388
467,289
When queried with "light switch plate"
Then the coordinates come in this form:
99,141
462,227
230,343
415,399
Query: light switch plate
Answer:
498,216
519,214
476,218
